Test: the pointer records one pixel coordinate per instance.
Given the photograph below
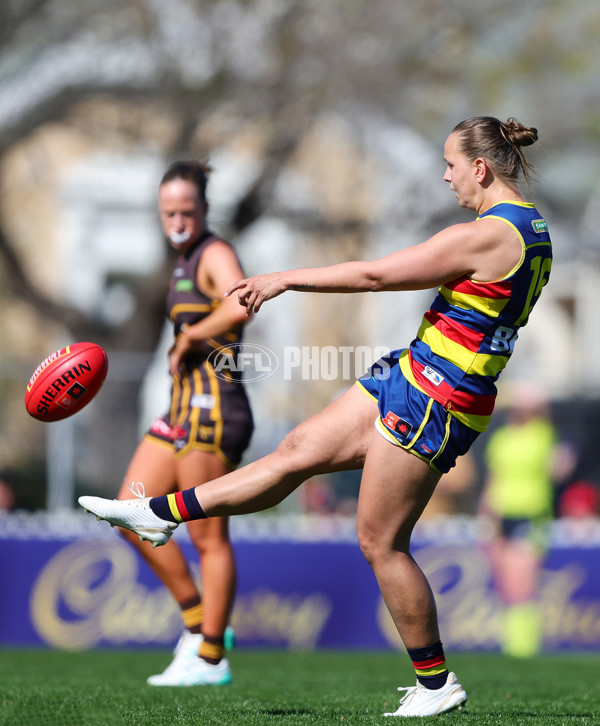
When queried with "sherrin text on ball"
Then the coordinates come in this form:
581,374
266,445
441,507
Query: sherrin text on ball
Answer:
66,381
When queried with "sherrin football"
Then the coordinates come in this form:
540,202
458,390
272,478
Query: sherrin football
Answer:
66,381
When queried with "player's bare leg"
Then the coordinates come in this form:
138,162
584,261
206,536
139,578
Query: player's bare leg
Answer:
211,540
338,438
395,487
154,466
335,439
160,471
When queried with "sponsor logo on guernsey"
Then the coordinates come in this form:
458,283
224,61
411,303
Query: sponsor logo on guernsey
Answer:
433,376
178,272
397,424
202,400
184,285
539,226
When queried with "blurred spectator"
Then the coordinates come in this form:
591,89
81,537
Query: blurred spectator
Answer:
316,496
579,500
329,494
8,497
518,499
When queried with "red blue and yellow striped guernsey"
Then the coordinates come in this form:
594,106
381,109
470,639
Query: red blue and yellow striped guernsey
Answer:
469,333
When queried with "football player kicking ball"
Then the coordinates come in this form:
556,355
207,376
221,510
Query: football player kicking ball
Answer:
408,419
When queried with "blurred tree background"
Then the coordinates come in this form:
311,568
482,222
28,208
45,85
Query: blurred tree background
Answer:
324,123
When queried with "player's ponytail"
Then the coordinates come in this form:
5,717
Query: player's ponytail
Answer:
499,143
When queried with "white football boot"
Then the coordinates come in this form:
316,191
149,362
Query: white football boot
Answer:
194,672
188,669
421,701
133,514
187,648
185,657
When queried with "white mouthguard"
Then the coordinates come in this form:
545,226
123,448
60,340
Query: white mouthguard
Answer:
179,238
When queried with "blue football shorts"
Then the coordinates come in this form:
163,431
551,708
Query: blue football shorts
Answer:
411,419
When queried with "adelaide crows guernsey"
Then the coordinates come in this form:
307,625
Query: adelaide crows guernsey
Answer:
469,333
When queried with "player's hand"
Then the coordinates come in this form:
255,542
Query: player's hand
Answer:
254,291
177,353
175,362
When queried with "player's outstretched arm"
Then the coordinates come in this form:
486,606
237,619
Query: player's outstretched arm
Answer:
457,250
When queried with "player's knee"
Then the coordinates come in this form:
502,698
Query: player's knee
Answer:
200,542
377,543
207,542
297,451
369,540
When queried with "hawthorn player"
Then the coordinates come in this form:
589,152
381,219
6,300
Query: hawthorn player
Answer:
204,433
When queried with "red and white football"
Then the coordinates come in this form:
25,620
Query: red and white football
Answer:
66,381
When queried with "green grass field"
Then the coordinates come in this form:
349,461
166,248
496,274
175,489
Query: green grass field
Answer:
279,688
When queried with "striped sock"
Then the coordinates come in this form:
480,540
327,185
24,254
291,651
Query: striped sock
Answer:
178,507
430,665
192,613
211,649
